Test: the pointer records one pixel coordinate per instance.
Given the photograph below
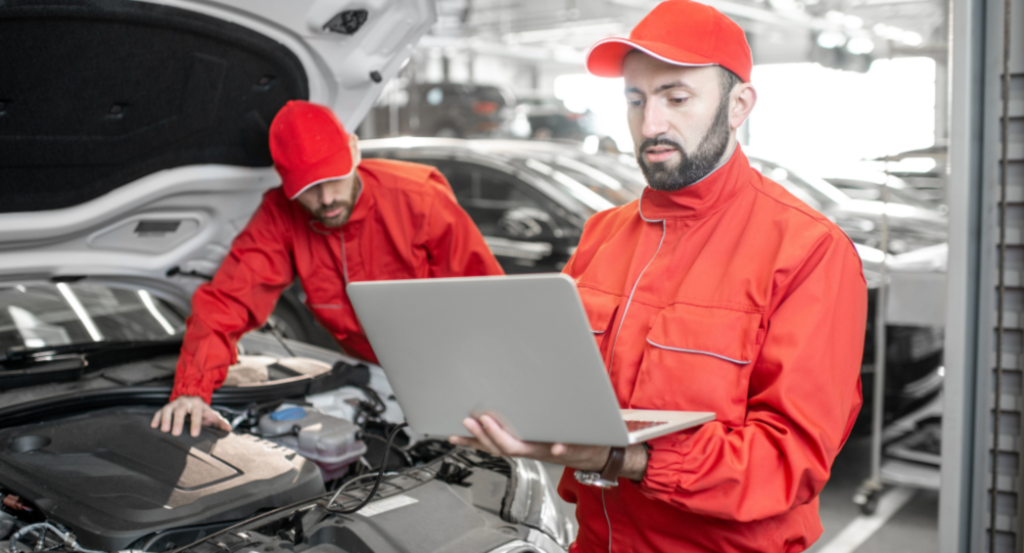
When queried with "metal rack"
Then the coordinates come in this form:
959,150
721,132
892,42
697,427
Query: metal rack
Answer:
895,461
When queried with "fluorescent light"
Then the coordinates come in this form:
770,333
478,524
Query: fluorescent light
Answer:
860,45
147,300
79,309
835,17
831,39
910,38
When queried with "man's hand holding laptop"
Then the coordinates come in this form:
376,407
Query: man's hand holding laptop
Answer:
489,436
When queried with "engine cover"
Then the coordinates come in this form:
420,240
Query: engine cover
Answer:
111,479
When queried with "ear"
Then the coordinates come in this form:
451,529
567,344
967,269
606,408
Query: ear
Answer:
742,103
353,146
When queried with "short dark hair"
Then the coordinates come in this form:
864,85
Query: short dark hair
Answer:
728,80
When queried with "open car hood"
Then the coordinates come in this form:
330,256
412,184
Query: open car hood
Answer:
134,135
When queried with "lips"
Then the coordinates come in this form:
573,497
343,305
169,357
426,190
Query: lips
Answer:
338,210
660,154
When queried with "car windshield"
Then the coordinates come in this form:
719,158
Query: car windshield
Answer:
596,186
899,191
813,191
41,314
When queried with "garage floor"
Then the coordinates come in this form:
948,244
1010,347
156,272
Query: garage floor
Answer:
906,520
913,515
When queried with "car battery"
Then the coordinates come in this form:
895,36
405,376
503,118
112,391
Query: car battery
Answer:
332,443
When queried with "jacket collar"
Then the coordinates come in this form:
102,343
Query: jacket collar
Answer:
360,209
701,198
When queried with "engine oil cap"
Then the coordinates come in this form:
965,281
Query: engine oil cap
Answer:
289,414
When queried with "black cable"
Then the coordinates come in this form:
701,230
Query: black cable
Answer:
376,483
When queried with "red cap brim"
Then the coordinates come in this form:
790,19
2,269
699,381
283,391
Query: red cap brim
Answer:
605,58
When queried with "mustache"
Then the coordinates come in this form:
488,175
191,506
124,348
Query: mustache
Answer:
660,141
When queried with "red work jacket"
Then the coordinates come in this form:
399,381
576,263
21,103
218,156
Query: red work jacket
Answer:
405,224
730,296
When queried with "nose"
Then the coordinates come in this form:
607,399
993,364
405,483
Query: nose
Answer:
654,123
328,193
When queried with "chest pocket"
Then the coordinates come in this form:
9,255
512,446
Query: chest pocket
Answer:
699,359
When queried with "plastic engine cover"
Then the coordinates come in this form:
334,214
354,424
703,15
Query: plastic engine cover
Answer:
329,441
111,479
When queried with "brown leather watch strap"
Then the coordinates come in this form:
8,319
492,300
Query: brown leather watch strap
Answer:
612,467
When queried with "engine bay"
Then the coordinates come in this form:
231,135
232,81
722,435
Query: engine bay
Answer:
283,479
111,479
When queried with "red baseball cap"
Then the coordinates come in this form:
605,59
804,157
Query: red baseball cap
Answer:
680,32
309,146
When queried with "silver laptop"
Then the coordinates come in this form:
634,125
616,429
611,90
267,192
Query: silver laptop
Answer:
518,348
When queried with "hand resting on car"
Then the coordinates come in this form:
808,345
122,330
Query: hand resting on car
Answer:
171,417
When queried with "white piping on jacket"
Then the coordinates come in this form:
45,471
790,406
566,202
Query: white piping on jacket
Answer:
344,261
640,210
722,357
341,234
608,519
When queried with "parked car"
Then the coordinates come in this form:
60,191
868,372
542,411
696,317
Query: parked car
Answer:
133,148
449,110
551,120
864,187
530,200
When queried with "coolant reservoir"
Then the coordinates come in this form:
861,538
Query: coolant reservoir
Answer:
330,442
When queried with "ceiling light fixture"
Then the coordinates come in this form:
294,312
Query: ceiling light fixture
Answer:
860,45
831,39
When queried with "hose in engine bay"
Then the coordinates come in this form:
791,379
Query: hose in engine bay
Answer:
376,483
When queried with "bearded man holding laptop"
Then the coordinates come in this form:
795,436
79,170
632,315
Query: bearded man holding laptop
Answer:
717,291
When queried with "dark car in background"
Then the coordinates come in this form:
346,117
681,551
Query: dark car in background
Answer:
449,110
530,200
550,119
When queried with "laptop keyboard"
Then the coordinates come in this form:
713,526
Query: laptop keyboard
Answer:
633,426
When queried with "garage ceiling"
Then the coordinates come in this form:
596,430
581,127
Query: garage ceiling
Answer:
560,31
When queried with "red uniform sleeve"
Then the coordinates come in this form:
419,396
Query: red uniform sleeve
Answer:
240,298
454,245
803,399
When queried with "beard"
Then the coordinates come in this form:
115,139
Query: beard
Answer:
345,205
690,168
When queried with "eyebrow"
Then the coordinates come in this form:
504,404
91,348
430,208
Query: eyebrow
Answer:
662,88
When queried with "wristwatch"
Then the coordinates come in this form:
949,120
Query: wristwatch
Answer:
609,475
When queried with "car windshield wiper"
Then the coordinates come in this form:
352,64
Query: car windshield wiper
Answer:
22,367
22,355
